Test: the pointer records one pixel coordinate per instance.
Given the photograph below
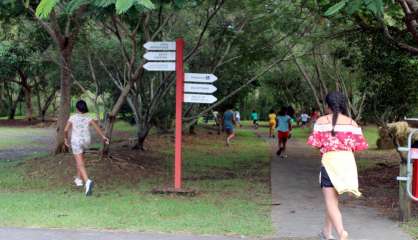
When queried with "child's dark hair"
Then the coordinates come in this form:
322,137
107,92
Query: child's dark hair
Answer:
271,111
81,106
337,102
283,111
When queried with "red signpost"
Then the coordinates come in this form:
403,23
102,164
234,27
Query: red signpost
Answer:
160,56
179,112
414,156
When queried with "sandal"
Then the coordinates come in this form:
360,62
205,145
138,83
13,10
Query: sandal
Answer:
323,237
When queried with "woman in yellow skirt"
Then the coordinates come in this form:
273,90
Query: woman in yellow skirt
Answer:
337,136
272,122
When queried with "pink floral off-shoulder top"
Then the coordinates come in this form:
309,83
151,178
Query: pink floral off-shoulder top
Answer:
347,138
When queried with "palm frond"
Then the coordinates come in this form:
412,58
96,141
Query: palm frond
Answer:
74,5
123,6
45,7
103,3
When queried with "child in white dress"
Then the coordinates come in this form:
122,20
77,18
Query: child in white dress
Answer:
79,124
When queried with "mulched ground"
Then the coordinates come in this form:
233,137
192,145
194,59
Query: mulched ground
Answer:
380,189
123,165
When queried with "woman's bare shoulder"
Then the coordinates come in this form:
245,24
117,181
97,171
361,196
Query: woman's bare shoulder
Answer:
324,119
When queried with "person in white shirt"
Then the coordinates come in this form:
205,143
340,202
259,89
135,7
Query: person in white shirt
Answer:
79,125
238,118
304,118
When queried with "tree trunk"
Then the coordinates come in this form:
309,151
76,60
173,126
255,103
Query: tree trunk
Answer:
13,107
27,89
111,117
65,98
142,135
28,101
110,120
45,107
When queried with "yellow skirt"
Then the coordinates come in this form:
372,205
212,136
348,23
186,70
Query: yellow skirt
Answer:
272,124
342,170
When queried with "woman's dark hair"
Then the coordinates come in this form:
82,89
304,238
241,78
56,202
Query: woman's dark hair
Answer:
271,111
283,111
81,106
337,102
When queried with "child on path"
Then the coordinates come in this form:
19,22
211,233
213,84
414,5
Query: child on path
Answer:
304,119
337,136
229,122
272,123
284,126
254,118
80,140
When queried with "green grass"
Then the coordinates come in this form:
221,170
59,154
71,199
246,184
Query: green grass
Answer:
301,134
123,126
237,204
412,228
12,137
371,134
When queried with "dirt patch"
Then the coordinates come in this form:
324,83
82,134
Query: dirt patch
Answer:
123,165
380,189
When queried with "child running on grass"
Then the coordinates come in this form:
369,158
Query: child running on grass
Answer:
229,123
80,140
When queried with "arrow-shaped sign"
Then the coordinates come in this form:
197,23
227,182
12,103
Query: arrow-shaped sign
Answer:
160,56
199,98
200,77
160,66
199,88
160,46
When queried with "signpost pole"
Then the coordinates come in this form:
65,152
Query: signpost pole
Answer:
179,112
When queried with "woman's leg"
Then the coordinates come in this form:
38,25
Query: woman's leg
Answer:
327,230
81,169
333,211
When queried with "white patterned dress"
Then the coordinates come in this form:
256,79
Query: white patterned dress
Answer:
80,134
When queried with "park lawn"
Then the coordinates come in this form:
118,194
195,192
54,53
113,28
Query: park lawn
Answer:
17,136
233,194
412,227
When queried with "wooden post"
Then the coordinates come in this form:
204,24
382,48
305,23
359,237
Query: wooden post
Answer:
404,200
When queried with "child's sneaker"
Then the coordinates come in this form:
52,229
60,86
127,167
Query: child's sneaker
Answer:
78,182
89,187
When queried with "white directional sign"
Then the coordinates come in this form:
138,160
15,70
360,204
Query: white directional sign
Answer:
199,98
160,46
160,56
160,66
200,77
199,88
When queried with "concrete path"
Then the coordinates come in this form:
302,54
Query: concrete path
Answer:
50,234
298,206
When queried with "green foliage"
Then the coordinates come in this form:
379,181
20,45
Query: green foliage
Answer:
45,7
336,8
103,3
75,4
123,5
374,6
